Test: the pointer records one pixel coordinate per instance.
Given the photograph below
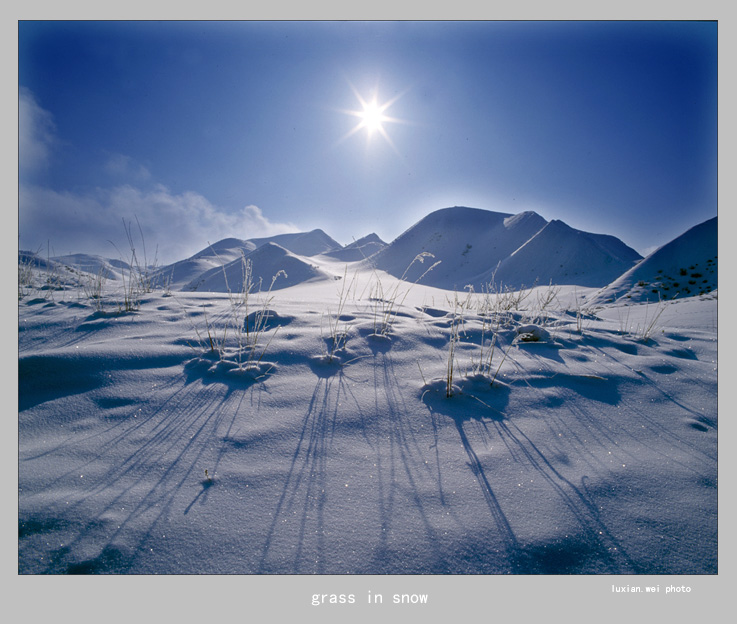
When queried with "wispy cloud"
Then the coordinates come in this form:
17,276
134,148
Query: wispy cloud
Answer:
175,224
178,225
36,133
122,166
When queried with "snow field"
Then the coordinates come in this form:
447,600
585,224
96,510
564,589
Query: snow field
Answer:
594,450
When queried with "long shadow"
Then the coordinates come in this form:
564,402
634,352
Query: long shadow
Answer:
595,547
309,467
502,523
173,437
647,418
463,408
405,462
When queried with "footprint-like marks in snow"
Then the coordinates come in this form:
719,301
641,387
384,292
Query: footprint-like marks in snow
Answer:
112,402
702,423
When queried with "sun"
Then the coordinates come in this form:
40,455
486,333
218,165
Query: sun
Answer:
372,116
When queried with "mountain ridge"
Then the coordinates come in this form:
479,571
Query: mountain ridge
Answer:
471,246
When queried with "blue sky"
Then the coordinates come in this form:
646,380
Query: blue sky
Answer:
204,130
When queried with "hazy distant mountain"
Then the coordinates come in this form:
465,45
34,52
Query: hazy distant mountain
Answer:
369,239
477,246
36,261
684,267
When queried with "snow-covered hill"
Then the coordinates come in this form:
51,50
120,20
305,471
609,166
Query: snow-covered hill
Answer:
270,264
358,250
301,243
562,255
684,267
65,271
477,246
201,266
109,268
182,273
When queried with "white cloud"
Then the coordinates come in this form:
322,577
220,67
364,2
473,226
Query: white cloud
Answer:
36,133
178,225
122,166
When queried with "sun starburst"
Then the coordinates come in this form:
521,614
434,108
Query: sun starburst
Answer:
372,116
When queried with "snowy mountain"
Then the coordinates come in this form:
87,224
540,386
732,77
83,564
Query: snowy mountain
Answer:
684,267
562,255
468,245
477,246
301,243
193,270
359,249
111,268
270,262
214,256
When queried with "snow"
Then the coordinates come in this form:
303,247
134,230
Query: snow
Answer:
177,438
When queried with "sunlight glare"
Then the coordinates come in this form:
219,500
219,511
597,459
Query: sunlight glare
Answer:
372,117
